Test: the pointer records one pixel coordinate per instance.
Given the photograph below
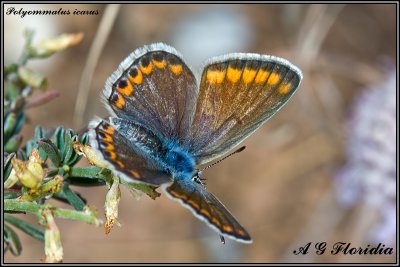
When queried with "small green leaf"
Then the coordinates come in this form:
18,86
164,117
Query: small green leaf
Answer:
51,150
73,198
83,139
11,195
7,165
22,155
78,181
59,138
11,90
9,125
12,240
74,158
20,122
31,144
85,172
13,143
68,150
25,227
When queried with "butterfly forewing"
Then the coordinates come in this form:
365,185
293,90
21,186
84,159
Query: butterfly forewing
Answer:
154,87
237,94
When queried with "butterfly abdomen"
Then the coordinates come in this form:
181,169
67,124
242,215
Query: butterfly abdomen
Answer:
179,161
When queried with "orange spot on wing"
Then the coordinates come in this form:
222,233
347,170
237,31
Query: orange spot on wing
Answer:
137,77
284,89
240,232
121,165
177,195
248,75
107,138
262,76
148,69
176,69
109,146
205,212
215,221
109,130
215,76
120,102
273,79
160,64
135,174
193,204
112,155
227,228
127,90
233,74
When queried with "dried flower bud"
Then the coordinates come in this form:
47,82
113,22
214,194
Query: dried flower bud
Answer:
52,240
88,152
111,206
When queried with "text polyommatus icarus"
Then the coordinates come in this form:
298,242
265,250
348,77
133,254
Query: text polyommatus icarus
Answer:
164,123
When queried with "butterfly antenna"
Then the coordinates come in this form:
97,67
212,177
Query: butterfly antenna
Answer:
234,152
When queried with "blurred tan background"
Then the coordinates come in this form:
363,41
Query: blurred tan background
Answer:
283,188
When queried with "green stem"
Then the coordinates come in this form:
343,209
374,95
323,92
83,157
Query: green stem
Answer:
12,205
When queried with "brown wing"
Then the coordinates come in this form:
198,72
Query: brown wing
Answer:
238,93
127,157
154,87
208,208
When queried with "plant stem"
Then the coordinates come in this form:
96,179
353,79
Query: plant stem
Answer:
12,205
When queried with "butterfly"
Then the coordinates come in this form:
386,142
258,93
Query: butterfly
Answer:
165,121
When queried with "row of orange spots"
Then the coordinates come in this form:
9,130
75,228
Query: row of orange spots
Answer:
107,140
135,76
248,75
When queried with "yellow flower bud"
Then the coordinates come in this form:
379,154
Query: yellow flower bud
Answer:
30,173
58,43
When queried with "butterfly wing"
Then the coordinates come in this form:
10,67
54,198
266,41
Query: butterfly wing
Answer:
153,87
238,93
125,146
208,208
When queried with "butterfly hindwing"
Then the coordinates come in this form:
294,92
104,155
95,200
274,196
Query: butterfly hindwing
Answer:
238,93
208,208
154,87
128,157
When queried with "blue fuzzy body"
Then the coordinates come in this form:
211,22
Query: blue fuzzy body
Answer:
176,160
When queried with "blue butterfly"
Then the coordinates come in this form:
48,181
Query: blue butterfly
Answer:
164,123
